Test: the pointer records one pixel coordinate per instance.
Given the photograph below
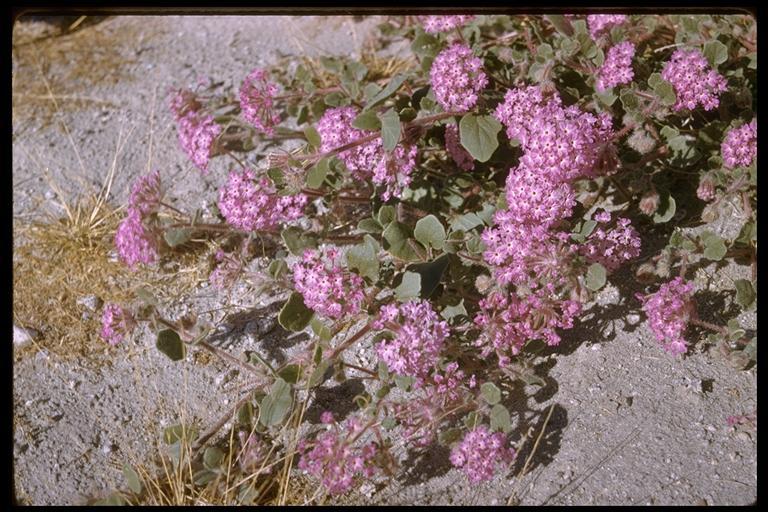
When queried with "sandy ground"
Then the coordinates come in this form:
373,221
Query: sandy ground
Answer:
629,424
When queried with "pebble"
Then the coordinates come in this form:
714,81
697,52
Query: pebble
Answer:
24,336
90,302
743,436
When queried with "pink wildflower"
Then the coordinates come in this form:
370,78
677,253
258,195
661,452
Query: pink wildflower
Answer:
146,194
250,204
419,335
327,287
739,148
612,247
457,78
603,23
435,24
669,310
393,171
197,135
460,155
182,102
116,322
480,452
135,242
336,460
706,188
694,82
257,101
617,68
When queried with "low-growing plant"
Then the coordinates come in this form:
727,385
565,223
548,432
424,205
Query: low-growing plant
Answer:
456,218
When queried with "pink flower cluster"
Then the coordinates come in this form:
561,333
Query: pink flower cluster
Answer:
327,287
197,131
369,160
257,100
559,143
694,82
135,242
251,204
739,148
457,78
419,335
146,194
460,155
603,23
335,459
669,311
116,322
509,321
480,452
617,68
435,24
611,247
706,189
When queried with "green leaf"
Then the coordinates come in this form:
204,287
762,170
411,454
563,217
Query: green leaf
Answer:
425,45
472,419
336,99
479,135
596,275
446,437
113,500
388,423
404,382
397,236
204,476
277,268
290,373
364,258
629,99
430,232
409,287
316,175
431,272
715,248
606,97
561,24
500,419
132,478
449,312
745,293
386,92
715,52
179,433
748,233
666,93
320,329
295,316
245,414
407,114
312,136
466,222
213,457
490,393
319,374
170,344
386,215
175,237
296,240
370,225
370,91
390,129
276,405
383,371
368,120
666,209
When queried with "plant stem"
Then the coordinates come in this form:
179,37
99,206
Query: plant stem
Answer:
708,325
347,343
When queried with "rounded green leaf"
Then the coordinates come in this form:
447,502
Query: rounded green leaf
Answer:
213,457
410,287
276,405
666,209
490,393
715,248
295,316
715,52
479,135
364,258
745,293
390,129
170,344
500,419
132,478
368,120
312,136
316,175
175,237
430,232
596,276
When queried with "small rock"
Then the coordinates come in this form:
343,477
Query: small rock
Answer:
743,436
90,302
50,194
633,319
24,336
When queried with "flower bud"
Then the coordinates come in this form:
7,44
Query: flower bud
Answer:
483,283
649,203
641,142
706,190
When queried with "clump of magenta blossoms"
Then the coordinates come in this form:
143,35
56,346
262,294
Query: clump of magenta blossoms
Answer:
249,203
116,323
335,459
460,155
457,78
612,247
327,287
435,24
146,194
197,131
617,68
669,310
419,335
257,101
509,321
694,82
369,160
135,242
739,148
480,452
603,23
